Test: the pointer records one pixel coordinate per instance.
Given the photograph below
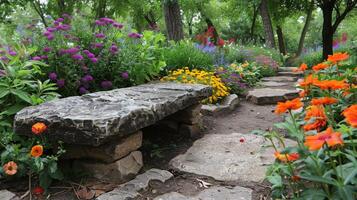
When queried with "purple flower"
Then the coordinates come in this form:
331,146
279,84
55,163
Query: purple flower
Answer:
36,58
2,73
100,35
107,20
83,90
118,25
125,75
86,51
60,83
47,49
4,58
50,37
91,55
52,76
106,85
135,35
60,20
73,50
12,53
77,57
51,29
98,45
94,60
87,78
99,23
113,49
44,57
47,33
56,23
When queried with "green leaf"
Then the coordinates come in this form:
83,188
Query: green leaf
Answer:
313,194
22,95
45,180
3,92
319,179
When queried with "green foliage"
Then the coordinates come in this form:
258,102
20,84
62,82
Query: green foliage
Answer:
184,53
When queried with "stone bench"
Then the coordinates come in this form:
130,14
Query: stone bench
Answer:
103,129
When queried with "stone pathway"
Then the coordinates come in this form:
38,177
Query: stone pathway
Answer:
230,159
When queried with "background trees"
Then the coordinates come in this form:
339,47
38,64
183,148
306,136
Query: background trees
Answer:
282,24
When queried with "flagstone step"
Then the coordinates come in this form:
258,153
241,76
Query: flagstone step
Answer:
264,96
273,84
280,78
287,69
290,73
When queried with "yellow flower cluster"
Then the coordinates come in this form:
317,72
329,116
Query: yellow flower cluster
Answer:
201,77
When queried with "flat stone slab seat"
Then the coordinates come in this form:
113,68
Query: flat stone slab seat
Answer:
263,96
103,130
280,78
96,118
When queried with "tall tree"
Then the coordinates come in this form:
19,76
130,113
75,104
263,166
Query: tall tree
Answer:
268,28
341,8
308,19
173,20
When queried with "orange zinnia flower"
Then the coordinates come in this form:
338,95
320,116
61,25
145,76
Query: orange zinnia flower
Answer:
317,114
302,68
315,142
38,128
310,79
286,157
320,66
323,101
37,151
337,57
294,104
10,168
331,84
350,114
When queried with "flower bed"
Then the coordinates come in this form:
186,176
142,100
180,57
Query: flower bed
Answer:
323,122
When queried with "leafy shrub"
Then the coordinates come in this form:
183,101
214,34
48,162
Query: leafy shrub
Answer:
184,53
322,165
241,54
201,77
249,72
83,58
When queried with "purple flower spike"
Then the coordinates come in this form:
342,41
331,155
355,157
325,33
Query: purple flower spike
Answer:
106,85
50,37
52,76
135,35
56,23
47,33
91,55
87,78
2,72
100,35
99,23
60,83
47,49
36,58
125,75
12,53
94,60
73,50
60,19
118,25
77,57
86,51
83,90
51,29
113,49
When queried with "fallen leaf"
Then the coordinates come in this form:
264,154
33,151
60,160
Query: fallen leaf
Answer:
85,193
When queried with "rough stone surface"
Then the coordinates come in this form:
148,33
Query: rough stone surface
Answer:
273,84
228,104
190,115
226,158
118,172
192,131
130,189
7,195
213,193
262,96
287,69
290,73
109,152
280,78
96,118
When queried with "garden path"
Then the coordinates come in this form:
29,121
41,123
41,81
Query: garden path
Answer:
228,162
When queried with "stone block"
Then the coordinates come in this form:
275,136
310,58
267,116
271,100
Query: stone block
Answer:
280,79
227,105
263,96
192,131
7,195
190,115
118,172
109,152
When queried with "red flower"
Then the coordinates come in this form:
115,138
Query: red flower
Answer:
350,114
38,191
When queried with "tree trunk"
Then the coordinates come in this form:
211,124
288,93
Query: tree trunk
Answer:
173,20
255,14
305,29
327,30
281,41
268,28
37,6
101,9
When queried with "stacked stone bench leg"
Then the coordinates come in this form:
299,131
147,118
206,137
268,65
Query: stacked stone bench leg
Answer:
103,131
